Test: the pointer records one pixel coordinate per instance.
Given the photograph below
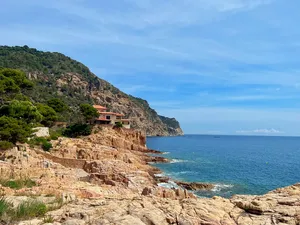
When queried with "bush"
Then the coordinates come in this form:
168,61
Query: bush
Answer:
55,134
48,219
4,145
18,184
4,206
47,146
77,130
30,209
118,125
41,141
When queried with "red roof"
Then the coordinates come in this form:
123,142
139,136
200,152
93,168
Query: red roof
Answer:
101,119
125,119
119,114
108,113
99,107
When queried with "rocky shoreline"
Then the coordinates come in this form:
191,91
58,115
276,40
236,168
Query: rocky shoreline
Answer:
106,178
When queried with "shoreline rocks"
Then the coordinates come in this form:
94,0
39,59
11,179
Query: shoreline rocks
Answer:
195,186
111,182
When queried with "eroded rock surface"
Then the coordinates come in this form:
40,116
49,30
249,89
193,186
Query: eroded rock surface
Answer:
106,179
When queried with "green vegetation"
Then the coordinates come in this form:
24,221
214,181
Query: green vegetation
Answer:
48,219
89,112
40,141
48,113
13,130
57,104
30,209
47,146
59,82
22,110
4,206
18,115
77,130
171,122
118,125
55,134
4,145
18,183
26,210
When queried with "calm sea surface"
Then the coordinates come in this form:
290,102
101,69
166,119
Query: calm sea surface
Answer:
236,164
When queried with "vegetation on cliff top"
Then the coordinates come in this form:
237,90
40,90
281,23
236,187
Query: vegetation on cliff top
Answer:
19,117
57,76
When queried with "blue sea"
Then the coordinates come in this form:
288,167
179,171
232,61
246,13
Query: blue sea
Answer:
235,164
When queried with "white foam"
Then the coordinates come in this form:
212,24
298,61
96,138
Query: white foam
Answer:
165,153
159,175
219,187
170,184
178,161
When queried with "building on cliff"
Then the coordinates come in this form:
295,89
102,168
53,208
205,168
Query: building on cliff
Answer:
110,117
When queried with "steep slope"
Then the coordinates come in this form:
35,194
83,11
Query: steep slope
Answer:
57,75
172,124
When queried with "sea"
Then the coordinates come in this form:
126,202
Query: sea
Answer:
234,164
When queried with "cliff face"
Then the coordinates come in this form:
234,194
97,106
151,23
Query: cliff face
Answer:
105,179
57,75
172,125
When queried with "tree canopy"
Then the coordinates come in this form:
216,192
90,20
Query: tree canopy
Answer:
22,110
14,130
88,111
48,113
57,104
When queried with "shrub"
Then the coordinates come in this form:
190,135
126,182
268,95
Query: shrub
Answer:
118,125
77,130
48,219
55,134
41,141
29,209
18,184
4,145
4,206
47,146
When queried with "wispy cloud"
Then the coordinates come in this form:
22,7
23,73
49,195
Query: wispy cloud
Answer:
216,62
260,131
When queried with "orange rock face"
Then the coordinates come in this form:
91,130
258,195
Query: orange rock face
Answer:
105,179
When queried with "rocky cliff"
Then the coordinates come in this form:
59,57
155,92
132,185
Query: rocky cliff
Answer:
57,75
106,179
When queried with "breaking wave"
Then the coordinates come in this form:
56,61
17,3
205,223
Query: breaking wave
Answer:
221,187
178,161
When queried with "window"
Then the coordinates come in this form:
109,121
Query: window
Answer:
108,117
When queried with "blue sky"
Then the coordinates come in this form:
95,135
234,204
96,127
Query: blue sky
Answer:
218,66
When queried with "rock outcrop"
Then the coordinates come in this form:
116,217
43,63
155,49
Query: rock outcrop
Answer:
105,179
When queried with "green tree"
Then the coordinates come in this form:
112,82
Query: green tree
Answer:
23,110
18,77
14,130
77,130
89,112
11,83
57,104
48,113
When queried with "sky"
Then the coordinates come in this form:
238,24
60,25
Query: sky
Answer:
217,66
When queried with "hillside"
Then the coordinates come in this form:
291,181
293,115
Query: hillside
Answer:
57,75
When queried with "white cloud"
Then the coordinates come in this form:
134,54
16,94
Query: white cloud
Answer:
260,131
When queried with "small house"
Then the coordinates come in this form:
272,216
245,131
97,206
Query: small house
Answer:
111,117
